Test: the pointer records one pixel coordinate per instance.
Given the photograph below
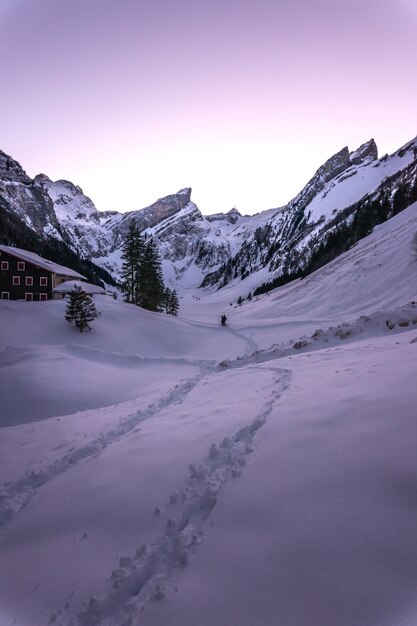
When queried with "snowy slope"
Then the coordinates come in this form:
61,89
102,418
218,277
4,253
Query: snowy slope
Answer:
51,366
357,181
217,476
375,275
320,527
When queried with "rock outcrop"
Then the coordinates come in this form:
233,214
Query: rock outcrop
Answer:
20,195
366,152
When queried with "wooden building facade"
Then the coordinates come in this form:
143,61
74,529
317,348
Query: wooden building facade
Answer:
25,275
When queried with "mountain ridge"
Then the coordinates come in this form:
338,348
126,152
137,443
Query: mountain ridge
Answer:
211,251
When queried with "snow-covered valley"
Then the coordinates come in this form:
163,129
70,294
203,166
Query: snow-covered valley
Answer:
169,472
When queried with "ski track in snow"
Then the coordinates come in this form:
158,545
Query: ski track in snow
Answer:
146,576
251,346
142,577
15,495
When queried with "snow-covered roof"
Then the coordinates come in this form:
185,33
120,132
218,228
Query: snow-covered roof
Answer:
35,259
69,285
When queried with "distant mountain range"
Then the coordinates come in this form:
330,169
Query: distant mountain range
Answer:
345,199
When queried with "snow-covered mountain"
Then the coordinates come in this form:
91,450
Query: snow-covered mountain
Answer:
346,184
214,250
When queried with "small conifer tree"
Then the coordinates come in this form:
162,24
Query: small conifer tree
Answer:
174,303
171,302
151,289
81,309
399,201
132,254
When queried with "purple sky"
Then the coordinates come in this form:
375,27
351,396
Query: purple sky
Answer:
240,99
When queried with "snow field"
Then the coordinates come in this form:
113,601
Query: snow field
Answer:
185,485
65,379
320,527
50,367
162,478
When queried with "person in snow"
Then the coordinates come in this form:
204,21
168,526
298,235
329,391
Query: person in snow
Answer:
223,320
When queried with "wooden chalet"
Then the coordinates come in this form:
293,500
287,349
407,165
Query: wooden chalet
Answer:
27,276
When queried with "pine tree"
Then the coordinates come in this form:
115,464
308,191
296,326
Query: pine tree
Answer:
171,302
399,202
364,222
132,252
142,279
413,187
151,289
174,303
81,309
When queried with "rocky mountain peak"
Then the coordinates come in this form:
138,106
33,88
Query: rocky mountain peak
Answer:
69,200
231,216
12,170
42,180
367,151
160,210
185,192
334,166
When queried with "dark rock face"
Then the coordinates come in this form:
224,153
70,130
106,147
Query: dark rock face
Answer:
150,216
367,151
184,236
334,166
11,170
161,209
231,216
21,196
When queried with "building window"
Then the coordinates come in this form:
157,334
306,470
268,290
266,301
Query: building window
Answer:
29,281
43,296
20,266
29,297
5,295
43,281
16,280
5,265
